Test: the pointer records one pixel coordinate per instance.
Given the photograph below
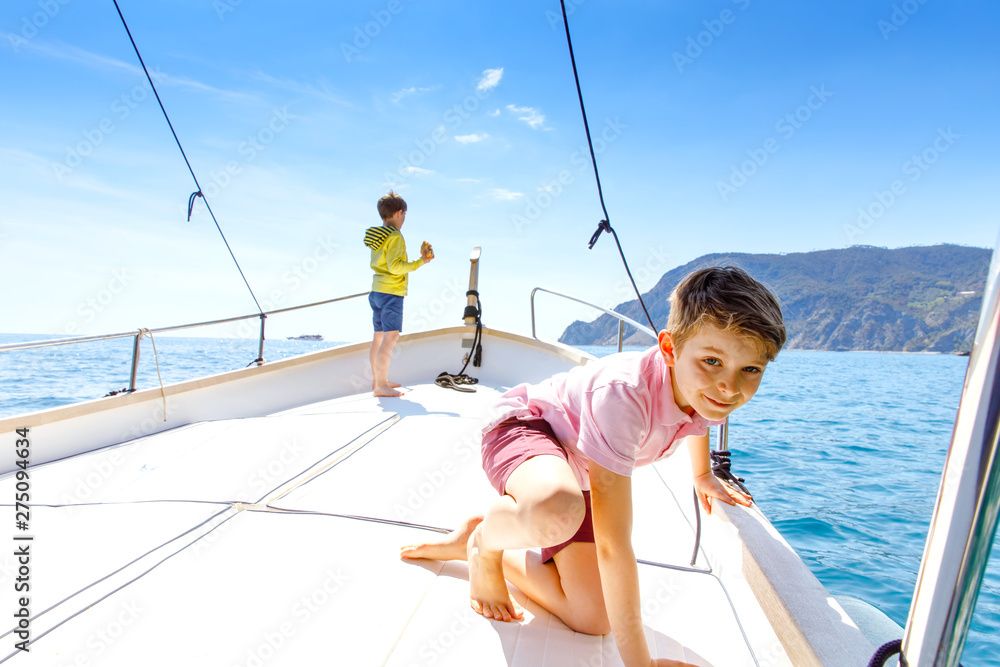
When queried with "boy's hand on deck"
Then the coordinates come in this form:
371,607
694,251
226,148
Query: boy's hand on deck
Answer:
708,486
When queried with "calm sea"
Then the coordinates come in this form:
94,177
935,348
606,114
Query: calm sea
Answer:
843,451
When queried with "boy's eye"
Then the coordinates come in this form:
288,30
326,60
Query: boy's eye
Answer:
712,361
753,369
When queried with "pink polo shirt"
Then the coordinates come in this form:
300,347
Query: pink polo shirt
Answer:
618,411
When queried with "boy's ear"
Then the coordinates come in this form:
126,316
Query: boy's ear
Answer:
666,345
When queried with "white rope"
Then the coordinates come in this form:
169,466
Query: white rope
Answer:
143,332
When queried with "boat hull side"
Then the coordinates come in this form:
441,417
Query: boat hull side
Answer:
281,385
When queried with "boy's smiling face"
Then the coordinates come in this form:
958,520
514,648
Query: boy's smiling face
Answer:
714,372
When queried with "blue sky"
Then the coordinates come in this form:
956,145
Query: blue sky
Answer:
724,125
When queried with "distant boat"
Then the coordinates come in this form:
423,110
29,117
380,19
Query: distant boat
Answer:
306,337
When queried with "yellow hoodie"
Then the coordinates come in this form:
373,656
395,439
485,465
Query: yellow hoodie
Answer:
389,260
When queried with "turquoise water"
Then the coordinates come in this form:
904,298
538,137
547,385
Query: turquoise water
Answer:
843,451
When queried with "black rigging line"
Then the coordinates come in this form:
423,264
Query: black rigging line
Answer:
604,225
198,192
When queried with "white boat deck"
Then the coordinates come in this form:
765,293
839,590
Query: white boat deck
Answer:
274,540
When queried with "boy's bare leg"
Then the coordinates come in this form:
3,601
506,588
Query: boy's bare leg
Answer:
543,506
451,546
382,357
570,587
372,353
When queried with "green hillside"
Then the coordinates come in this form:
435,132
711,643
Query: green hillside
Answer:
859,298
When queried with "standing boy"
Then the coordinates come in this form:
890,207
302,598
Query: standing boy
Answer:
391,267
561,454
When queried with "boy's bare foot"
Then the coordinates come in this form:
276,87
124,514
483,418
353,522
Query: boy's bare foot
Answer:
453,546
386,391
391,384
487,587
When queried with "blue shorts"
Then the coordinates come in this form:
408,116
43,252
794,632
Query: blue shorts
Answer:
387,311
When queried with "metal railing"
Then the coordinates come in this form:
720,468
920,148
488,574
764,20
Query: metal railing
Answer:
622,320
964,523
139,334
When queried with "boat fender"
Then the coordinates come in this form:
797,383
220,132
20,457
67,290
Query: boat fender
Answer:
877,628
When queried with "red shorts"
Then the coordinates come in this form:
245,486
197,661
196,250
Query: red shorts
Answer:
513,442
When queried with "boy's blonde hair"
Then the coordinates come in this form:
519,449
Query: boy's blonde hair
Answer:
389,204
729,299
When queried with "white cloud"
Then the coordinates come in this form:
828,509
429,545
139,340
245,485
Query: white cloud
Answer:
491,79
406,92
529,115
503,194
416,170
106,63
494,114
321,91
471,138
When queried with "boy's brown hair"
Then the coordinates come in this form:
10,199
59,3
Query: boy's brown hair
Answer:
729,299
389,204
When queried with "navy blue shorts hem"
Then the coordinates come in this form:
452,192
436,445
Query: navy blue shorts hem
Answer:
387,311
